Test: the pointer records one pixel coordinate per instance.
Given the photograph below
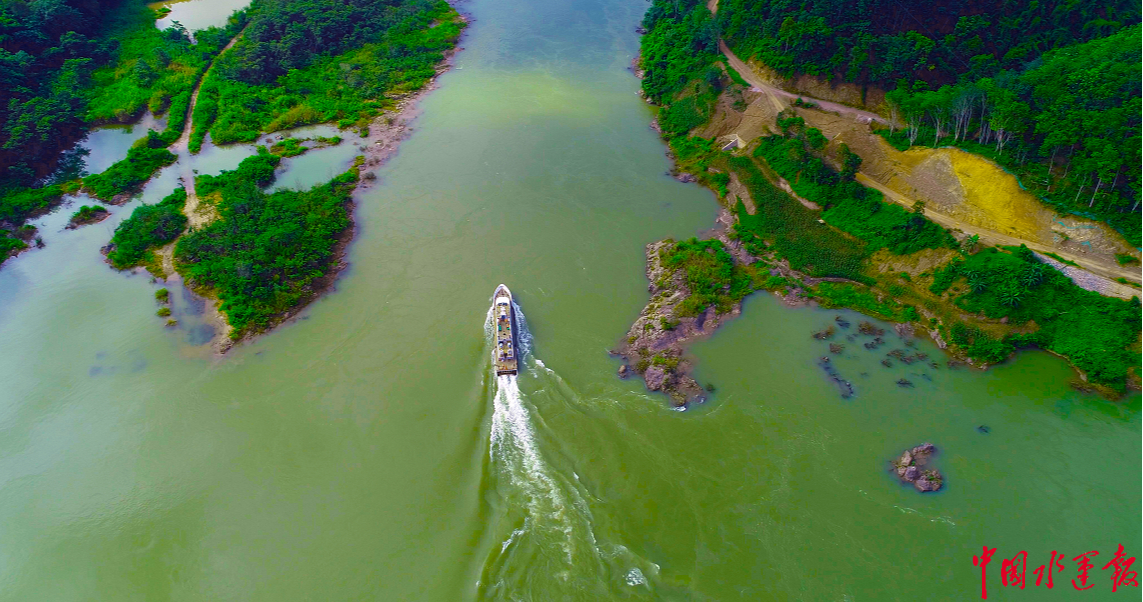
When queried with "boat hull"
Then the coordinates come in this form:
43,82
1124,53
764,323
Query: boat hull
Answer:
505,355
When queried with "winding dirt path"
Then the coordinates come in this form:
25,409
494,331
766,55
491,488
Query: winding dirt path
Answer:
195,215
775,93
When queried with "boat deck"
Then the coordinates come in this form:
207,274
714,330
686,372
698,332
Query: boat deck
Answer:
505,339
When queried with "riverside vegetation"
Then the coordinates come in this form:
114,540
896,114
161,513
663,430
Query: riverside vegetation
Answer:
858,251
1049,90
310,61
299,62
292,63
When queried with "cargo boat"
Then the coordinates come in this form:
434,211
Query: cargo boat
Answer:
504,319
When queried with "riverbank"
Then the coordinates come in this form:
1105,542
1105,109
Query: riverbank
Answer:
815,235
386,131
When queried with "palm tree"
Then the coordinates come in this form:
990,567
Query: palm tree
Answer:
1032,276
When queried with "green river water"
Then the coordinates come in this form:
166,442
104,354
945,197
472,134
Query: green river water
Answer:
364,451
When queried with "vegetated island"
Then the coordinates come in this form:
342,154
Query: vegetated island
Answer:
264,256
798,219
69,66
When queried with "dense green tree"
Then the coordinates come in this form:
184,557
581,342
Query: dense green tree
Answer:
265,252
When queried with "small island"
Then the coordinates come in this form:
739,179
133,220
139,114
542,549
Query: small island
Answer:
913,468
88,214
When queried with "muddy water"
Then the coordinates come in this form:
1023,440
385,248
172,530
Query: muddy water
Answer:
365,452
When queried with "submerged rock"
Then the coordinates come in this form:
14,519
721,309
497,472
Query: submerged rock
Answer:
842,322
867,328
912,467
984,429
624,371
901,382
824,334
844,386
835,348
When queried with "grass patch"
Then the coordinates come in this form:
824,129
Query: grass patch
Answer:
860,298
152,67
348,79
793,230
848,205
1061,259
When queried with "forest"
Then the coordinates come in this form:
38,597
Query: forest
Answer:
66,65
1051,90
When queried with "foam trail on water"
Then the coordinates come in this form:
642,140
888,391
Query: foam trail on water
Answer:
514,449
523,335
552,509
514,446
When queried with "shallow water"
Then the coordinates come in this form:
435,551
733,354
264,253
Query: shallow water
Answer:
364,451
198,14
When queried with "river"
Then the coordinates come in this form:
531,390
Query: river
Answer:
365,452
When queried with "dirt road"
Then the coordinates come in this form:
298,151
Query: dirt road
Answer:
776,93
195,216
1105,271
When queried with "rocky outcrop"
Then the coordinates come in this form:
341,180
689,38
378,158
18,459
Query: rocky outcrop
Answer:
654,344
913,467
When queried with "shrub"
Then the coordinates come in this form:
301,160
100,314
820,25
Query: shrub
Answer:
264,253
146,156
149,227
87,213
711,275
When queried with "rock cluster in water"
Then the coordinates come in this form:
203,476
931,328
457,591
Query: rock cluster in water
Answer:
654,345
912,467
843,385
